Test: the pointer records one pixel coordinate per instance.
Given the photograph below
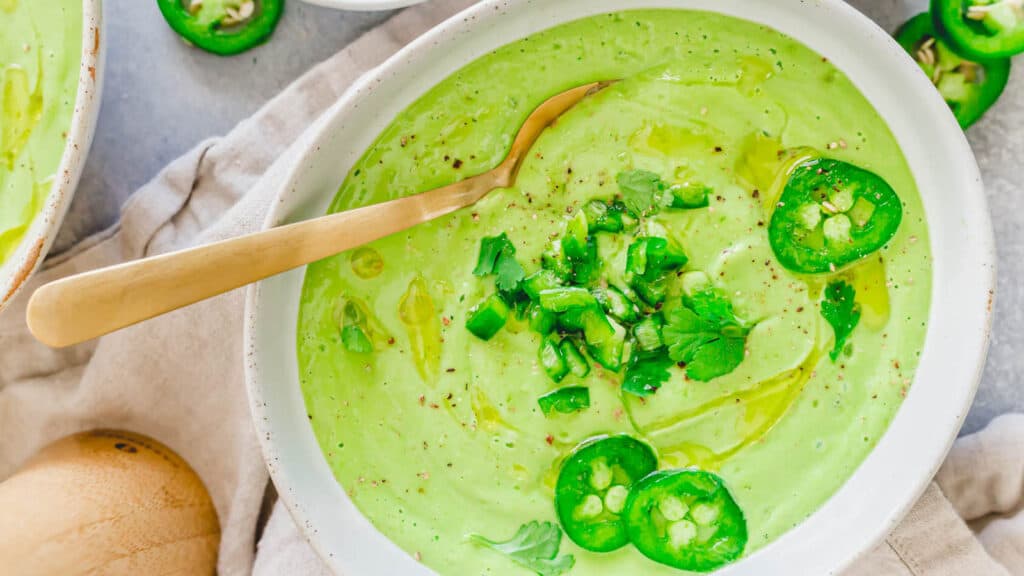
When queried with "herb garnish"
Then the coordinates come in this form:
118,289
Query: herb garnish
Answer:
535,547
842,312
642,192
498,257
646,373
705,334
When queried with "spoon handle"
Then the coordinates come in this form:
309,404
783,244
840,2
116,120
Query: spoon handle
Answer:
85,306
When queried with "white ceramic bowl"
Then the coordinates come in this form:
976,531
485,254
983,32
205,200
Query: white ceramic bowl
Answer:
29,254
893,475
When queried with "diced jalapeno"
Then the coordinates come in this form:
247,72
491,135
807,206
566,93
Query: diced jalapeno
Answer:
565,400
648,333
653,292
617,304
541,321
551,359
689,196
685,519
578,365
487,317
591,489
574,243
604,217
554,260
562,299
606,348
587,269
539,281
831,214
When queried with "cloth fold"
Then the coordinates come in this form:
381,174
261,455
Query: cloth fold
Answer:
179,378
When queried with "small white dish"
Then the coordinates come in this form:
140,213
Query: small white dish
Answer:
893,475
29,255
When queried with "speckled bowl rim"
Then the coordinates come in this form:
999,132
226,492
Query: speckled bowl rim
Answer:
32,249
893,475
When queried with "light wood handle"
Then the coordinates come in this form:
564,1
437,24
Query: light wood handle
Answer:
85,306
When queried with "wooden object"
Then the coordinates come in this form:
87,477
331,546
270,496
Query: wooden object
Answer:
109,503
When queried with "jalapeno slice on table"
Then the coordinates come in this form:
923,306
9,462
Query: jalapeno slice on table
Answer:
981,29
223,27
593,486
970,87
830,214
685,519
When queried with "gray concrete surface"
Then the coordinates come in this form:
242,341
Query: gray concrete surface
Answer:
163,97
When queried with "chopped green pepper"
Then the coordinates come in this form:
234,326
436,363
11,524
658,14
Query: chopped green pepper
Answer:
831,214
593,486
223,27
648,333
578,365
685,519
981,29
539,281
969,87
617,304
565,400
689,196
574,243
541,320
487,317
607,217
605,347
562,299
551,359
650,257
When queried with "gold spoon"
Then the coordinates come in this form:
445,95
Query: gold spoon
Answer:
84,306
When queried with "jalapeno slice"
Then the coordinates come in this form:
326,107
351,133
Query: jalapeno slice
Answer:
223,27
969,87
830,214
981,29
593,486
685,519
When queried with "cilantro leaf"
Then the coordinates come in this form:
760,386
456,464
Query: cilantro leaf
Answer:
510,272
498,256
646,373
842,312
535,547
705,334
490,248
642,191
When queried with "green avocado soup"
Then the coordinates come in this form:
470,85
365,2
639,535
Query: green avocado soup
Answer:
437,435
40,55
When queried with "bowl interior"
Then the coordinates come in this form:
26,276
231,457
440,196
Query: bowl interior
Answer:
29,255
906,457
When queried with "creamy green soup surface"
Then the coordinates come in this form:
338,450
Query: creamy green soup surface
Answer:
436,434
40,54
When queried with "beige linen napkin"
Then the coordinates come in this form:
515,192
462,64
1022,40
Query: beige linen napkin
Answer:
179,378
